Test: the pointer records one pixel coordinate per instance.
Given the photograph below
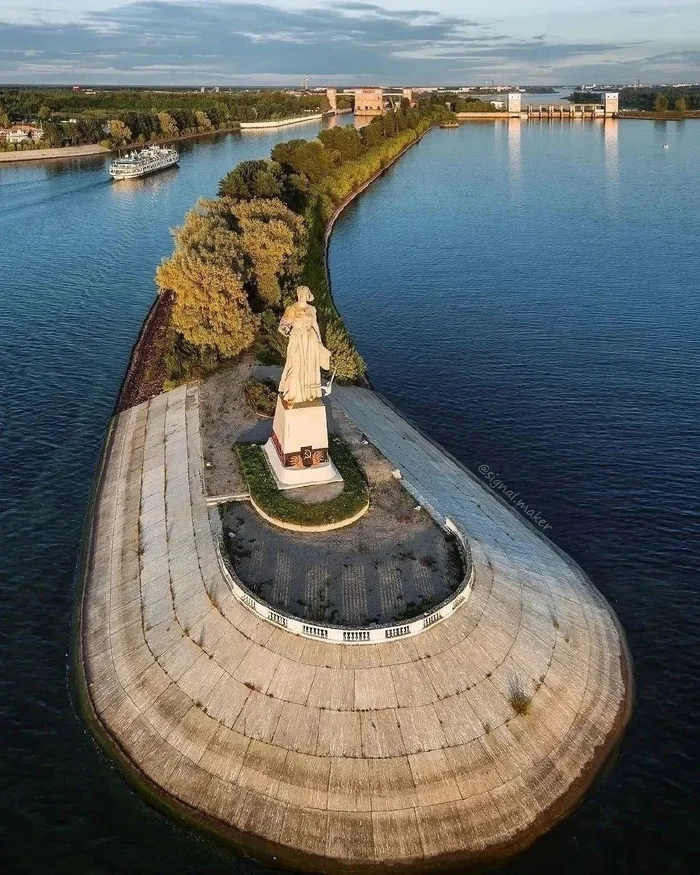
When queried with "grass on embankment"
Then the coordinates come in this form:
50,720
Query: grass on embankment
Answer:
276,504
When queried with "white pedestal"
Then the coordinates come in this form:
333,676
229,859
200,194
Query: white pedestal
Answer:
298,448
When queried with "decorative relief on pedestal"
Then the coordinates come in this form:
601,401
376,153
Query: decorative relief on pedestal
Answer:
306,457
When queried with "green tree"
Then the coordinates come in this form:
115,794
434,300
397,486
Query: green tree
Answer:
44,113
344,140
211,309
253,179
306,158
661,103
53,135
119,133
71,134
681,105
372,134
4,118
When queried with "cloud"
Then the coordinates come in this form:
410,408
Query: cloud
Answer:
192,41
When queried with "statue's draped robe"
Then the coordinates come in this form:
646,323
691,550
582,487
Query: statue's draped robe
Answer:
306,355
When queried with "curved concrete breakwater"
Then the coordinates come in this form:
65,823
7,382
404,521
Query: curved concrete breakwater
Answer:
460,744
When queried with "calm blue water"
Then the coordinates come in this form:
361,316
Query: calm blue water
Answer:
530,296
545,283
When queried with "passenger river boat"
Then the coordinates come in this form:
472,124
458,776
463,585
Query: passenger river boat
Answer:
143,162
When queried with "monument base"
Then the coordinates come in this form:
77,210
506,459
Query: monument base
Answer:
297,450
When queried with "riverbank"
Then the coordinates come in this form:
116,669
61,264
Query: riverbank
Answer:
46,154
145,373
92,149
650,115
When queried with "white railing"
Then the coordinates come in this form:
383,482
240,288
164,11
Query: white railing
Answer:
344,635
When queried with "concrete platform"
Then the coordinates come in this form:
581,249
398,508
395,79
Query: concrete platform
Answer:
324,756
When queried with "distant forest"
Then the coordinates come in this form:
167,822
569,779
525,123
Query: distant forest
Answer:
651,98
122,116
21,103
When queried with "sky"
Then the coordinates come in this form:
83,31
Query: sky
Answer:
408,42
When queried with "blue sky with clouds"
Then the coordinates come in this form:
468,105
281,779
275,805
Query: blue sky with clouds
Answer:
394,41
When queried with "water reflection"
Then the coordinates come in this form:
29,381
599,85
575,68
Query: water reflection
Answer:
63,166
514,148
361,121
611,149
128,188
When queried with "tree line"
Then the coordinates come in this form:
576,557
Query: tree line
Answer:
117,118
24,103
651,99
239,257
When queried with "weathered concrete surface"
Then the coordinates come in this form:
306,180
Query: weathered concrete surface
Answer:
331,756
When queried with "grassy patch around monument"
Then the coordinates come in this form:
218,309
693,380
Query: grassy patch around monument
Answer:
279,506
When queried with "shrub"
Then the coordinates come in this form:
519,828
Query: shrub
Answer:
277,504
261,396
518,698
347,361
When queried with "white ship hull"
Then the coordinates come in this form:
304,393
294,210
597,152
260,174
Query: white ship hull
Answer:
139,164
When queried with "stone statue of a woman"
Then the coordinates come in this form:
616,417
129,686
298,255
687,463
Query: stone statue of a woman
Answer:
306,354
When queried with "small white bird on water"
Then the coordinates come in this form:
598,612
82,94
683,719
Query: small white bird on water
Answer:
666,146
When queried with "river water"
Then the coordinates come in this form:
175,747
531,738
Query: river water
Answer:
544,279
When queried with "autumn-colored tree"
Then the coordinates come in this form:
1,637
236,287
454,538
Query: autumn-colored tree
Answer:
168,125
211,308
119,133
273,243
203,120
661,103
208,232
681,105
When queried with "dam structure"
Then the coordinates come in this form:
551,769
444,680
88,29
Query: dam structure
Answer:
458,742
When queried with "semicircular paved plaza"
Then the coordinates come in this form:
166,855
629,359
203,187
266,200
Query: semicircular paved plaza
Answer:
330,755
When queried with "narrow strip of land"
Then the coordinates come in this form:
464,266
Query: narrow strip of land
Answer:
281,123
62,152
463,743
